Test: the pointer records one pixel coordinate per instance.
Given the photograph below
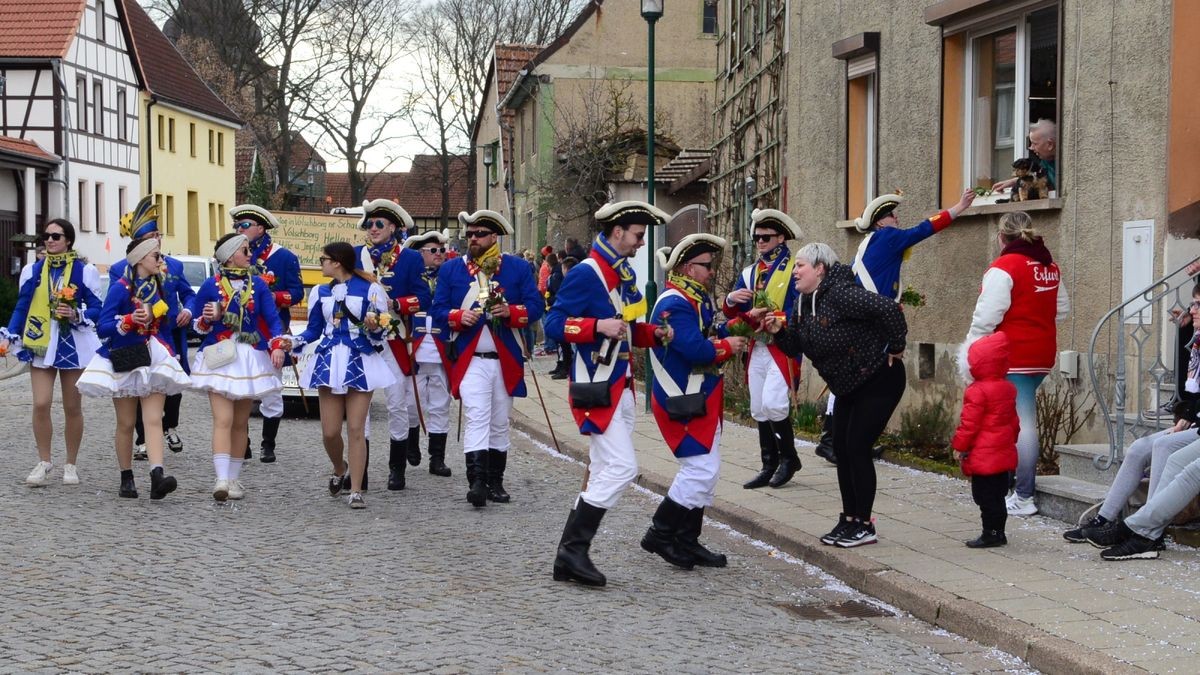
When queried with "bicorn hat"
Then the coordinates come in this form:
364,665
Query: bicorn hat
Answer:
878,208
776,220
689,247
484,218
256,213
386,208
419,240
630,213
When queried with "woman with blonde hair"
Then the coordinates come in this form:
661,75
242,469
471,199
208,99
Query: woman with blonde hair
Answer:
1022,294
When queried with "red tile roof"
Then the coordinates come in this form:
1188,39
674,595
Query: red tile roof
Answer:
418,190
386,185
38,29
25,148
165,72
507,61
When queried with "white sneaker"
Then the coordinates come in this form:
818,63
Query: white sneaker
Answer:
39,475
236,490
70,476
1022,506
174,442
1008,499
139,451
221,490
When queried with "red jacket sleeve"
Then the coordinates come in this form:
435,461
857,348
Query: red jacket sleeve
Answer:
972,417
642,334
580,330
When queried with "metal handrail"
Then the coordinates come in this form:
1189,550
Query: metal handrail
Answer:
1141,330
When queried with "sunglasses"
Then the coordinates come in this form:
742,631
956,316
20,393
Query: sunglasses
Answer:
479,234
244,224
764,237
706,265
375,224
324,259
54,236
434,251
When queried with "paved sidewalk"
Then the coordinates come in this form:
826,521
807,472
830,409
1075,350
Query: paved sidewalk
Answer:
1040,598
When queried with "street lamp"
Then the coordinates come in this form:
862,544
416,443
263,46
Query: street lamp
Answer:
488,159
652,11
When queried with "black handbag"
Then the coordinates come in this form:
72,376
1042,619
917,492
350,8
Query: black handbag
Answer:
590,394
132,357
686,406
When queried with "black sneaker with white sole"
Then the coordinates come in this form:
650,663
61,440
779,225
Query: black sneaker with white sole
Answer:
1136,547
859,534
838,530
1076,536
1109,534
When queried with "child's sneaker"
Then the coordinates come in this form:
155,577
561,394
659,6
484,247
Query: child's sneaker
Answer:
859,534
838,530
988,539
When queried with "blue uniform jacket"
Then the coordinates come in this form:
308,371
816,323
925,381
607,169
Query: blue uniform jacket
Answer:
345,332
403,280
265,323
176,287
282,268
86,300
118,304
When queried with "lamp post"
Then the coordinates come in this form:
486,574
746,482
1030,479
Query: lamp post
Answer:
488,160
652,11
751,185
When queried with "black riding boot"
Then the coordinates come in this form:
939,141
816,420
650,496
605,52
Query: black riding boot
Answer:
825,444
572,562
789,462
396,453
497,461
161,485
663,536
270,430
689,540
437,455
477,462
414,446
770,457
128,487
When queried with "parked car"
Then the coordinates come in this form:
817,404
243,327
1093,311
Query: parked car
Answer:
196,268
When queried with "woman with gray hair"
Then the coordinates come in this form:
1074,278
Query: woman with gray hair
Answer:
855,339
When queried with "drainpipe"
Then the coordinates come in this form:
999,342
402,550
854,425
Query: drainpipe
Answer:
66,136
149,147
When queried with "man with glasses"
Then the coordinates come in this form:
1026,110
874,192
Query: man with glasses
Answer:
281,268
485,299
762,288
400,271
597,309
174,283
688,399
432,389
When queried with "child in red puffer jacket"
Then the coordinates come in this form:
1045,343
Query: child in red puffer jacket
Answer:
985,444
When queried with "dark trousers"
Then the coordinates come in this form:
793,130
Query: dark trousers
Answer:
988,492
859,417
170,418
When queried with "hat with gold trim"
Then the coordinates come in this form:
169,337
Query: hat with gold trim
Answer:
142,220
485,218
878,208
776,220
386,208
630,213
688,248
419,240
256,213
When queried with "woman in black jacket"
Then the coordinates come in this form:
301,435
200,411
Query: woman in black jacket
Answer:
855,339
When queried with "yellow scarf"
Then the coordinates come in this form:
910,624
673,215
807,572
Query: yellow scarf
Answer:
36,337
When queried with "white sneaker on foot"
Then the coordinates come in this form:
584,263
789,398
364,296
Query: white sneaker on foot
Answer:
221,490
1022,506
236,491
70,476
139,451
39,475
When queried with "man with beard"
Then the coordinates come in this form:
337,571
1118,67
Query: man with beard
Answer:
432,390
400,271
486,299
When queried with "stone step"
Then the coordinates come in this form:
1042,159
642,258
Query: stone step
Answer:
1066,498
1075,461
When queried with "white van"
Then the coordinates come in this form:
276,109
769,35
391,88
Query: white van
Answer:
196,268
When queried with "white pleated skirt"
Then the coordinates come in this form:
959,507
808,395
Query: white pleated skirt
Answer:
341,368
248,376
164,375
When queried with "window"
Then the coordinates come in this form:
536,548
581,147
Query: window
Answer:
81,117
861,54
533,127
708,20
169,216
100,20
162,133
171,134
83,198
192,137
214,222
122,123
101,216
98,106
1009,82
221,148
212,149
121,203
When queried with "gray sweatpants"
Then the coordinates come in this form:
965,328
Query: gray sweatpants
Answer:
1180,483
1152,450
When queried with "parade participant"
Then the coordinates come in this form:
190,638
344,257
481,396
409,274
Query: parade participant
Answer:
140,224
239,359
485,299
137,363
855,339
595,311
763,287
280,268
400,271
432,390
53,329
689,398
344,318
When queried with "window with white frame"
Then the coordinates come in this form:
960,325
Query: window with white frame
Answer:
100,20
98,106
101,225
81,117
83,197
862,114
1011,82
122,111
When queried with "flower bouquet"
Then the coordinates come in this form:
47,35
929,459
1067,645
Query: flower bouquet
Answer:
66,297
495,298
665,323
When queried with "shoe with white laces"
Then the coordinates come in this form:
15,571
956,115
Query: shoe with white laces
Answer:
221,490
40,474
70,475
139,451
1022,506
858,534
174,442
236,490
356,501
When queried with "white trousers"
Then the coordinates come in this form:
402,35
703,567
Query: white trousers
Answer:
768,387
486,407
271,405
434,391
695,484
397,399
612,460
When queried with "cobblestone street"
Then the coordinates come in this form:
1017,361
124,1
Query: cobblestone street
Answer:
292,580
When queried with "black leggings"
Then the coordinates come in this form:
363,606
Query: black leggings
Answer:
988,492
858,419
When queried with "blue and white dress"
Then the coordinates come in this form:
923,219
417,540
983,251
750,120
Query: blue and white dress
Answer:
67,350
347,356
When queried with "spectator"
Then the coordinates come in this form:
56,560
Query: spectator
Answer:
574,250
551,267
1043,144
563,370
543,275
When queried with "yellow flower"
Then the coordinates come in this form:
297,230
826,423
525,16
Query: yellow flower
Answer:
385,320
159,309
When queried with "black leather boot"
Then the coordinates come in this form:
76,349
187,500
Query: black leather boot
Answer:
128,487
770,457
497,461
825,444
572,562
397,451
270,430
562,369
414,446
663,536
437,455
161,485
477,462
988,539
789,462
689,540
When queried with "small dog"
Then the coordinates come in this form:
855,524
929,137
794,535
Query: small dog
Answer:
1031,181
